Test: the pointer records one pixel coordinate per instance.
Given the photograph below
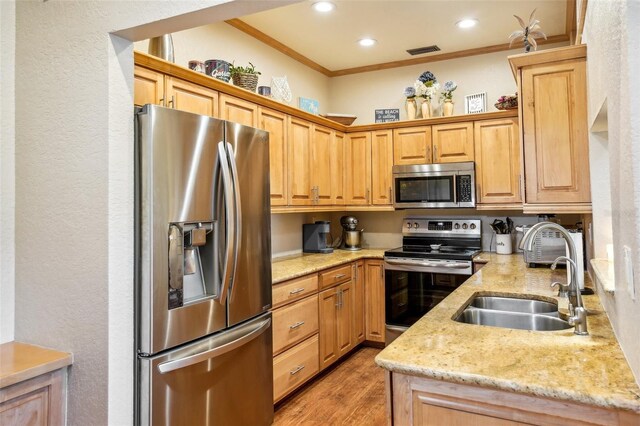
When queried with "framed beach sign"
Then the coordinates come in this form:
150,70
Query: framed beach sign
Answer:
309,105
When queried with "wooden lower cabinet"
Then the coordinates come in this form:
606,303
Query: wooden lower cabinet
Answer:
358,302
374,300
335,317
294,367
294,323
424,401
34,402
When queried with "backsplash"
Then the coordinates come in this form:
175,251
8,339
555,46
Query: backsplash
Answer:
383,229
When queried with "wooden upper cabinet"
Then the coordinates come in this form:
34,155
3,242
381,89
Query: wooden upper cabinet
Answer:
452,142
276,124
299,162
497,152
358,169
412,145
554,121
238,110
148,86
322,145
337,168
190,97
381,165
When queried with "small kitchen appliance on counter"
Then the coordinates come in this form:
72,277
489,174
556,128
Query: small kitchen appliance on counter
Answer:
351,237
435,258
316,236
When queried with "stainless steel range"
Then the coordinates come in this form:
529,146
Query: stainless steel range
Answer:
435,258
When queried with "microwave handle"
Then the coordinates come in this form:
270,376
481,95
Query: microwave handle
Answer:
455,188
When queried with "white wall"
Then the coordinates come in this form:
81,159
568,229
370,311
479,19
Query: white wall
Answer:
612,37
222,41
7,169
74,184
361,94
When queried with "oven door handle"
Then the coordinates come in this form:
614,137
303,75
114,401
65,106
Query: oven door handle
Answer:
455,265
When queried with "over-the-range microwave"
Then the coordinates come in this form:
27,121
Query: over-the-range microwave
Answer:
444,186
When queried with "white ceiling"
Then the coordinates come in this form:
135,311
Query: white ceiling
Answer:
330,39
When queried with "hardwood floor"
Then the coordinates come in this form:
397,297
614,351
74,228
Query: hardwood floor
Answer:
352,393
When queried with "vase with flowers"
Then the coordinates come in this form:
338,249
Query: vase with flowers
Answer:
426,88
412,108
447,96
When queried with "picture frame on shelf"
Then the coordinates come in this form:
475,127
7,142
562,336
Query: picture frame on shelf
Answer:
475,103
309,105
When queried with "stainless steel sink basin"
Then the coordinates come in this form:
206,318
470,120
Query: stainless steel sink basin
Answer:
517,320
511,312
512,304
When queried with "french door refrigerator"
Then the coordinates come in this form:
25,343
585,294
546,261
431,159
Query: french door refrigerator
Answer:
203,271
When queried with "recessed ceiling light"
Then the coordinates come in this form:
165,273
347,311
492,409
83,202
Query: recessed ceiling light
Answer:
467,23
324,6
367,42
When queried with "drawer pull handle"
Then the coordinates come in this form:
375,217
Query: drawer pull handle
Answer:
296,325
297,290
296,370
337,277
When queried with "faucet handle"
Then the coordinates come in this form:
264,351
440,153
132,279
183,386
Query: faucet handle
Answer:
563,289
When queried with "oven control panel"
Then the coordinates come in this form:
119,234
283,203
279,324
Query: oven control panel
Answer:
425,225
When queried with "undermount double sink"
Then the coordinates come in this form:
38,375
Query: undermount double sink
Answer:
512,312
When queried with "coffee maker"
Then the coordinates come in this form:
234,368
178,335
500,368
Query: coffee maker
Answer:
351,238
316,237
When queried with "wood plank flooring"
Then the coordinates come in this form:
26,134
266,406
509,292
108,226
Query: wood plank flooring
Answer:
352,393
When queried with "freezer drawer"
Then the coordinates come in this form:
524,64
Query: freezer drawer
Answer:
225,379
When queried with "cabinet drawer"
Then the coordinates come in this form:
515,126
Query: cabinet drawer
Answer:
296,289
294,367
294,323
335,276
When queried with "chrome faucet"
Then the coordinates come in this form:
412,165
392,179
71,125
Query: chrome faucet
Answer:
563,289
577,311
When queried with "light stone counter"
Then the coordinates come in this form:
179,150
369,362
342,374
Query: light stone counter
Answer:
556,364
303,264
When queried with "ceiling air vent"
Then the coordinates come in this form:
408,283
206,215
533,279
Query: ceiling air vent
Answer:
421,50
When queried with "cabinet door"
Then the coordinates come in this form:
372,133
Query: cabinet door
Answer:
358,169
190,97
374,300
452,142
358,302
299,164
412,145
276,124
328,314
381,165
321,167
337,168
554,120
238,111
148,87
497,147
344,333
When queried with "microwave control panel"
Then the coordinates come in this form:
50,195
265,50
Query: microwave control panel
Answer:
465,191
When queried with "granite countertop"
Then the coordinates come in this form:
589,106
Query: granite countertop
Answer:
21,361
298,265
555,364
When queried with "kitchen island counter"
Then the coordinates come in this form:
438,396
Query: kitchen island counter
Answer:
559,365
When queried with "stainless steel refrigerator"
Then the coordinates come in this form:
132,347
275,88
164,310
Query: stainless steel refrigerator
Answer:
203,271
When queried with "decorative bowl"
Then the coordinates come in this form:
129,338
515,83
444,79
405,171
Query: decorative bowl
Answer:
346,119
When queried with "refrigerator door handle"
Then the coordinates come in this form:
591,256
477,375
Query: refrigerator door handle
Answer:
237,217
177,364
229,203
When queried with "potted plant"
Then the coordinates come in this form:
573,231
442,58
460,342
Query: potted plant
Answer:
426,87
245,77
410,94
447,95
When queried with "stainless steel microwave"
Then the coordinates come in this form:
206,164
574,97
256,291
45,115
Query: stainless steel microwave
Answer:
428,186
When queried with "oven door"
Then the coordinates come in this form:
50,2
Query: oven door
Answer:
412,291
425,190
